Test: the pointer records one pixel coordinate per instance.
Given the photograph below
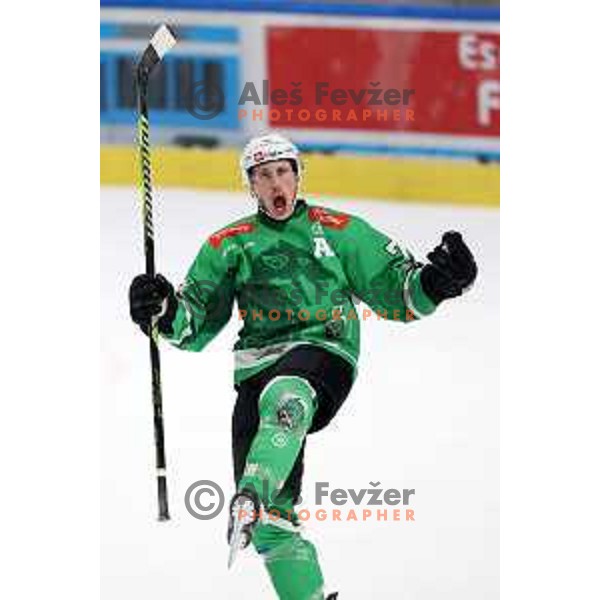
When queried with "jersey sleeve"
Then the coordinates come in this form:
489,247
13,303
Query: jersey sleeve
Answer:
383,274
205,300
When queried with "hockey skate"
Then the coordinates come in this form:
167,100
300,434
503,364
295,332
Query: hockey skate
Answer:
244,512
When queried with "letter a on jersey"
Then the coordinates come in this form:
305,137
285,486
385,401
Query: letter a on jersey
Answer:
322,248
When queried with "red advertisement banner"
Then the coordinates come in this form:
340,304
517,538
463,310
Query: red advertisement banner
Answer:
445,82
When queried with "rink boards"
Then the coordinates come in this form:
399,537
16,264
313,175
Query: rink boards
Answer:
460,182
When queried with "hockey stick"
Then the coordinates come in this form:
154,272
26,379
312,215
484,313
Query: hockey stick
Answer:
162,41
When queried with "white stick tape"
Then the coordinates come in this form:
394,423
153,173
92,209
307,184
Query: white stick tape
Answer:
163,40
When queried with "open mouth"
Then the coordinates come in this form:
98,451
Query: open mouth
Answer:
280,204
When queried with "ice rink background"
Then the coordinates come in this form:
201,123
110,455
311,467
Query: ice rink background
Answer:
423,414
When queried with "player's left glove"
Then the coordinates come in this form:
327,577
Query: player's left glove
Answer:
451,269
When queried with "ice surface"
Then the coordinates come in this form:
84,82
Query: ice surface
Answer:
423,414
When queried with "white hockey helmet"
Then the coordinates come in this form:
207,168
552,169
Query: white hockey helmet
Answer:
267,148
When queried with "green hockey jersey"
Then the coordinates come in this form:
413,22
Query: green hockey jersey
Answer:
295,282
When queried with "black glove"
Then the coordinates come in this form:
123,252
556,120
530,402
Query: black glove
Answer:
451,269
150,297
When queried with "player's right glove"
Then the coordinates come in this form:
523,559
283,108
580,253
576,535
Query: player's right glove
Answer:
451,269
152,297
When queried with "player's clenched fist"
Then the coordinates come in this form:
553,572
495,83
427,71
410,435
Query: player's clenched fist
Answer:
451,269
152,297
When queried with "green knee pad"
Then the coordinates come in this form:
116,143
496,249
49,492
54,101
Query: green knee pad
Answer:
286,409
291,561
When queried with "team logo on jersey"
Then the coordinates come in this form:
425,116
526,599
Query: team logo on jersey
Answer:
276,262
317,229
321,215
286,261
216,239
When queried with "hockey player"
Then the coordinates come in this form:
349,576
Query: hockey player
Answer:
294,270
